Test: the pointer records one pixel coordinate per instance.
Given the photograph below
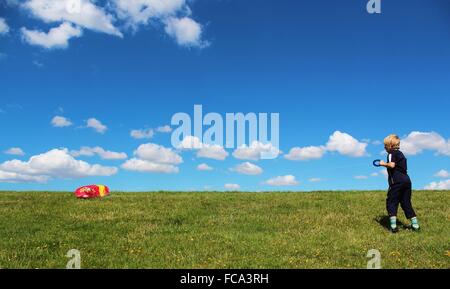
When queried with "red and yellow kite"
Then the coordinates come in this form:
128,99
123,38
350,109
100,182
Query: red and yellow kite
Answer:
92,191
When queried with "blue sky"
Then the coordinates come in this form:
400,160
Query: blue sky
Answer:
329,68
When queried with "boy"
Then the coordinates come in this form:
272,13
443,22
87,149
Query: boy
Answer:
400,187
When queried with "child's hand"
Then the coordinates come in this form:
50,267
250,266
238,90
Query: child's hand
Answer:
390,165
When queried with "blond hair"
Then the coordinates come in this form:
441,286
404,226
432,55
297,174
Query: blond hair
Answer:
392,142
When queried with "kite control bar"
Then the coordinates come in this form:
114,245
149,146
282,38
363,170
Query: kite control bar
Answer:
376,163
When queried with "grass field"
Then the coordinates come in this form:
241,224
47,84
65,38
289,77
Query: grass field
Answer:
219,230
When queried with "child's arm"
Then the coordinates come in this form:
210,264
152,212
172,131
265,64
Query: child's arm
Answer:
390,165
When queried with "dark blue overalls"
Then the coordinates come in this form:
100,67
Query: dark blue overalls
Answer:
400,187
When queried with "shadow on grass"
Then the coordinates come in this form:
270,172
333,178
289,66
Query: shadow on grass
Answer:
385,222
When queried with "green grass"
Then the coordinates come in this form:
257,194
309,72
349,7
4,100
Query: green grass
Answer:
219,230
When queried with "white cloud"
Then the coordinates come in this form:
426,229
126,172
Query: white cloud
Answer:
186,31
417,142
215,152
280,181
374,175
306,153
142,133
439,186
340,142
83,14
4,28
138,12
248,169
232,187
145,166
190,143
106,155
96,125
15,152
443,174
315,180
361,177
56,163
57,37
203,150
174,15
164,129
12,177
255,151
60,121
153,158
347,145
157,154
37,63
204,167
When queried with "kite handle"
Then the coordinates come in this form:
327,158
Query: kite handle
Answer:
376,163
